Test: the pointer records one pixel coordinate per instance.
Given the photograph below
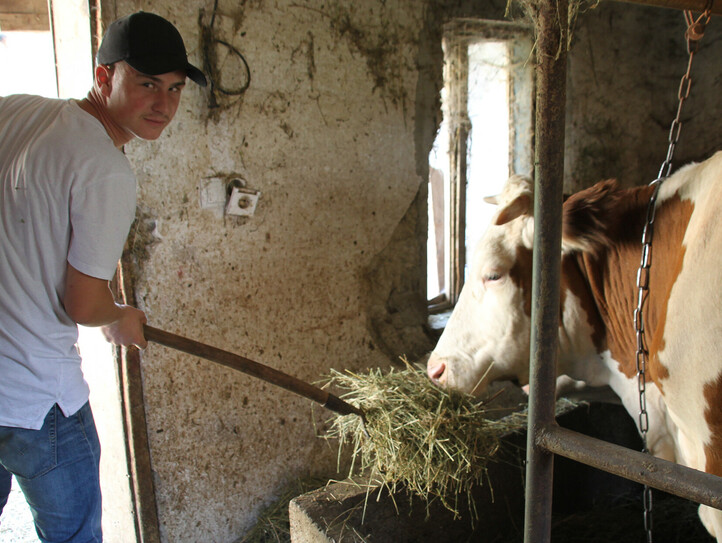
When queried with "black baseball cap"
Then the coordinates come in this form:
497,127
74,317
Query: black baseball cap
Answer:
148,43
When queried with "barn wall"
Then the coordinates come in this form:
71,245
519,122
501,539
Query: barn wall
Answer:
334,131
625,66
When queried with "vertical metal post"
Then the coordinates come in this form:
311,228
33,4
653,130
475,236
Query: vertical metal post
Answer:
551,25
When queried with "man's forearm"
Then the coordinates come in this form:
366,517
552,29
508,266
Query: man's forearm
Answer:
88,300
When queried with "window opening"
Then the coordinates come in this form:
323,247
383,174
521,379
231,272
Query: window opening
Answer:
484,137
488,162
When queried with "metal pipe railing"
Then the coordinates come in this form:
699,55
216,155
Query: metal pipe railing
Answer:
548,175
545,438
676,479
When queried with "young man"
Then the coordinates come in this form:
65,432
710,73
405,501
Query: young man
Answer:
68,200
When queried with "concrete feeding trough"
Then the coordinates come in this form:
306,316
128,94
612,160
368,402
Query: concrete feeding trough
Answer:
589,505
346,511
427,465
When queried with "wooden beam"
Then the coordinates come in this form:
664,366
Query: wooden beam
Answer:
697,6
140,469
24,15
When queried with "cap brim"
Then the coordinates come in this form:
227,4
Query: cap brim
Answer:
156,65
195,75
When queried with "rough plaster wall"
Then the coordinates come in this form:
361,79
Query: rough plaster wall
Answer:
625,67
326,132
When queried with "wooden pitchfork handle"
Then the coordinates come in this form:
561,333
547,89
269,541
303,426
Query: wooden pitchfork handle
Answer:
256,369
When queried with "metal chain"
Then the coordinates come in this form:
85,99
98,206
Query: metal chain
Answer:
642,351
694,33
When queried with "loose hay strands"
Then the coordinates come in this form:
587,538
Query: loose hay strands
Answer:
273,525
435,442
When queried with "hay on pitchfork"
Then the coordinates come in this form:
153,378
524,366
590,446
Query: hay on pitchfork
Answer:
436,443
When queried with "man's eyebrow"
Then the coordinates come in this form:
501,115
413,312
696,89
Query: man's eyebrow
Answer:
159,80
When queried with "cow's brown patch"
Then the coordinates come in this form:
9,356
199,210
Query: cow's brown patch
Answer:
713,416
521,275
611,270
668,250
585,216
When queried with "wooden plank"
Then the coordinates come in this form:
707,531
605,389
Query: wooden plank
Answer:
697,6
24,22
24,6
24,15
147,525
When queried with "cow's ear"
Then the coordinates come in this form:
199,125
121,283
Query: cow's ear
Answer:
588,216
521,205
494,200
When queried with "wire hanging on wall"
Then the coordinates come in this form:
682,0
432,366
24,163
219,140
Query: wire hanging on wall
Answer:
227,68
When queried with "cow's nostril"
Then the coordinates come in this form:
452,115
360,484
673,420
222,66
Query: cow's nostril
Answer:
436,372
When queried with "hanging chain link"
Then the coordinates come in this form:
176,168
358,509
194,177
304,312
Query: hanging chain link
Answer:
642,351
694,33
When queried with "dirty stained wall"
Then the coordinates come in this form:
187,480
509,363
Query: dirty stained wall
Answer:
326,131
625,67
329,109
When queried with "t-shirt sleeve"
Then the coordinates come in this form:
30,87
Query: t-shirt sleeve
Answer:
101,213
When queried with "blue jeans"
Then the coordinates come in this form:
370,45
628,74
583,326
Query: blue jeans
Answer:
6,481
57,468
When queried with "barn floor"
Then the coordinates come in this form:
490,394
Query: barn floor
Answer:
590,506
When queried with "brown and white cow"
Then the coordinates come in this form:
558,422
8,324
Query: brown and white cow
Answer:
487,336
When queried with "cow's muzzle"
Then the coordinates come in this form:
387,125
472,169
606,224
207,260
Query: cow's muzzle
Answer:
436,370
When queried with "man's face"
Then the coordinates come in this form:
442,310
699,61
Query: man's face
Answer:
141,104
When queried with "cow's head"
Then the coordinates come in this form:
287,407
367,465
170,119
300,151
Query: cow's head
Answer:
487,336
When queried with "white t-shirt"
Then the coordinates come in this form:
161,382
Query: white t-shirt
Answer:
68,195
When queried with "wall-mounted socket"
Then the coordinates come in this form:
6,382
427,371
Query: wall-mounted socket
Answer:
228,195
241,201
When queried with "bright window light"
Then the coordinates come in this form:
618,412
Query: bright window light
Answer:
488,162
485,136
27,64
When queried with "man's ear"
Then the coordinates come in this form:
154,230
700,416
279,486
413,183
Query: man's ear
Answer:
103,77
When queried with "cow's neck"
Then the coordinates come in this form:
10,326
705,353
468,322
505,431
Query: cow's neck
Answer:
581,336
611,277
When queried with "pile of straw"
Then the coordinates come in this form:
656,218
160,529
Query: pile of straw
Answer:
435,442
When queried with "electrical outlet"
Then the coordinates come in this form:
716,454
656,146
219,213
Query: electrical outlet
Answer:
242,202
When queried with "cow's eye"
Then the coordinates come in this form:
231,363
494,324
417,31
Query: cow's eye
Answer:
491,277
